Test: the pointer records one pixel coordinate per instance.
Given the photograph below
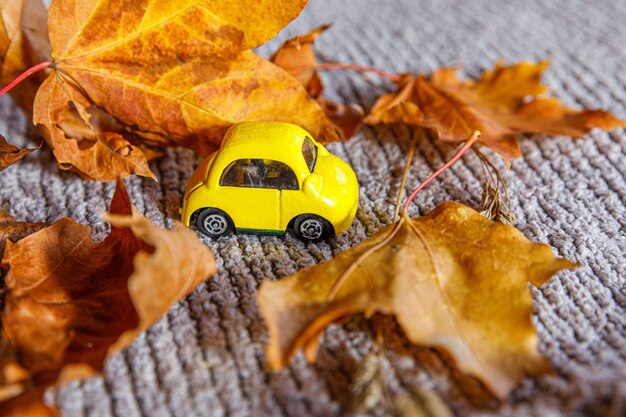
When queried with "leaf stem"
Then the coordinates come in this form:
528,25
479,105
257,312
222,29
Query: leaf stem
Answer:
355,67
405,174
332,293
468,144
343,277
24,75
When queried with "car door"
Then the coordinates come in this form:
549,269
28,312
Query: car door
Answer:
297,201
250,196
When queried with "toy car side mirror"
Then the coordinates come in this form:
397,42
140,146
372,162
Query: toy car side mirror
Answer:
313,184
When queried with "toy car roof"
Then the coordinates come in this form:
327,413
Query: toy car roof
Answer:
259,138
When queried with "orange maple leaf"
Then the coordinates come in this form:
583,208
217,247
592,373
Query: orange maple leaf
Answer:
503,102
170,72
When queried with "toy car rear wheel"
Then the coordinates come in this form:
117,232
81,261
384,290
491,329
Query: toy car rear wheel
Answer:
214,223
311,228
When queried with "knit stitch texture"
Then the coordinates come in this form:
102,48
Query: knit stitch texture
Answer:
205,358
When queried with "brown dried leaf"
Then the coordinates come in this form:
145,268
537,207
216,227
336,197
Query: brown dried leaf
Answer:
452,278
503,102
23,44
346,119
78,143
29,404
13,230
72,302
180,71
297,57
178,264
9,154
12,376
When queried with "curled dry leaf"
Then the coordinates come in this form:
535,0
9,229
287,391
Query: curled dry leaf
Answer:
503,102
23,44
14,230
171,72
452,278
72,302
297,57
346,118
29,404
76,139
9,154
12,376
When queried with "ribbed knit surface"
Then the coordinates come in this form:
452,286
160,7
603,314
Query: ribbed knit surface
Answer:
205,358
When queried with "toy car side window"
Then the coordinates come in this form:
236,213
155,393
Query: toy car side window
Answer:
309,151
259,173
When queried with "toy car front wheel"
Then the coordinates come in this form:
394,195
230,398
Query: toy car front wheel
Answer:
214,223
311,228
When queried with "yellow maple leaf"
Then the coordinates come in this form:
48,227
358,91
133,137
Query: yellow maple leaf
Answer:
452,278
171,72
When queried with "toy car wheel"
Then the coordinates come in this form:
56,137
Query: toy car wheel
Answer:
214,223
311,228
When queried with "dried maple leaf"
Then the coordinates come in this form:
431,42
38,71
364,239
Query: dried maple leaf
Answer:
172,72
297,57
503,102
23,44
72,302
9,154
452,278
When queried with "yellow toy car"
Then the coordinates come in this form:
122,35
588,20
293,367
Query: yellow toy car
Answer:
270,177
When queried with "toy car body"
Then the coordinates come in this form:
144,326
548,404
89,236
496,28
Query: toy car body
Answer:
270,177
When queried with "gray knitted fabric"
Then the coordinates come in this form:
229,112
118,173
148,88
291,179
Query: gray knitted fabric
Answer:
205,358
